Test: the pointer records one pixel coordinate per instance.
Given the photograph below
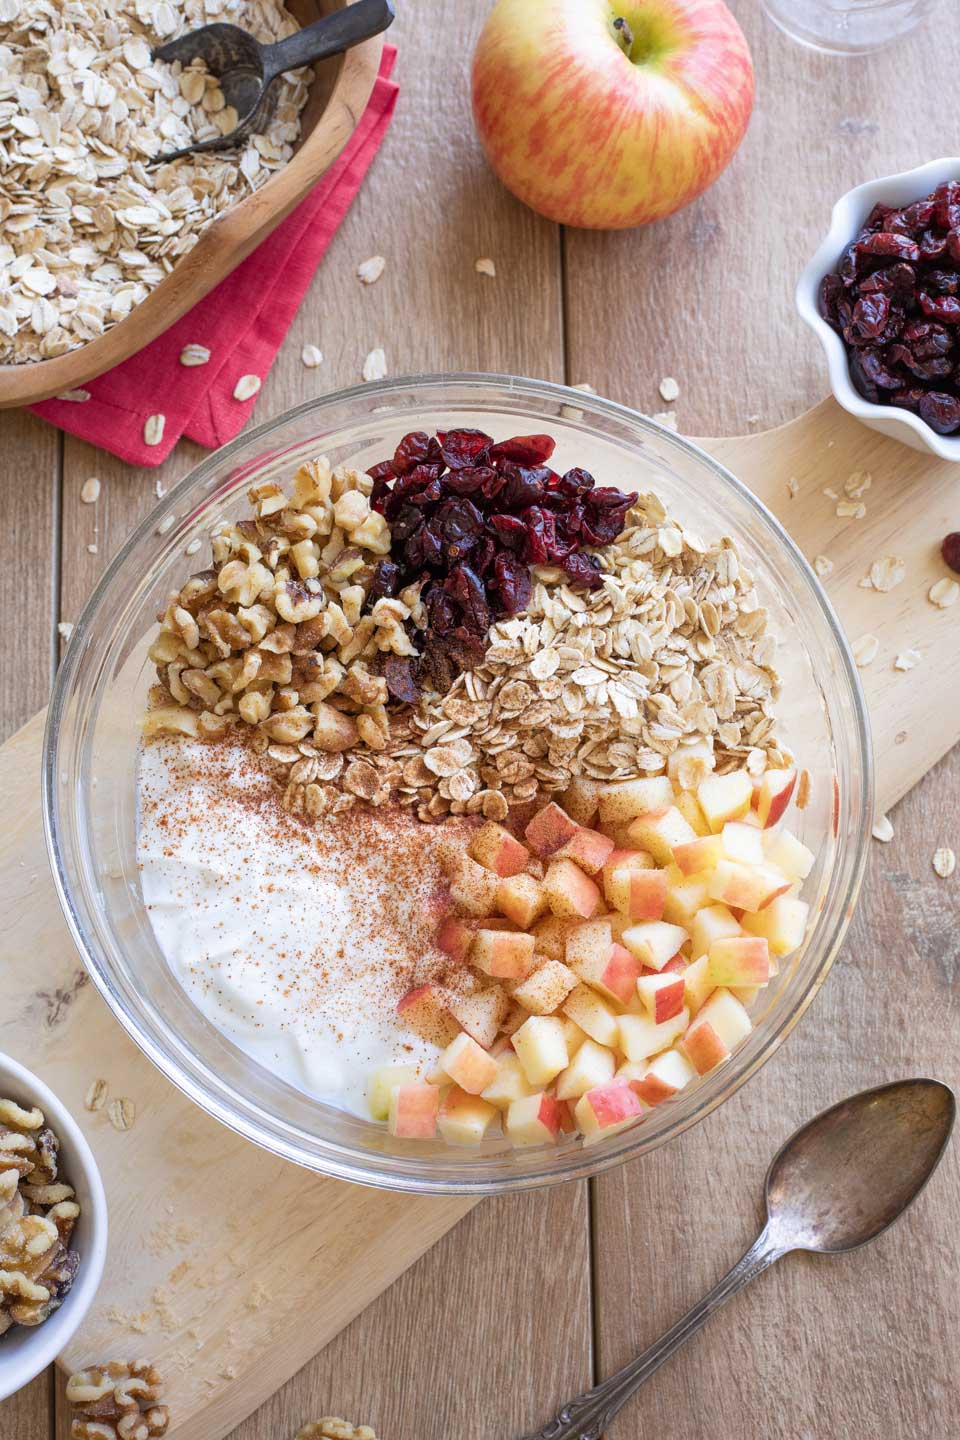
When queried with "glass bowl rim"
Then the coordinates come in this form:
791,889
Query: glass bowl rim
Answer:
368,1168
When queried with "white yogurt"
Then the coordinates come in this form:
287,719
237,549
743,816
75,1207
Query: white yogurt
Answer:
294,939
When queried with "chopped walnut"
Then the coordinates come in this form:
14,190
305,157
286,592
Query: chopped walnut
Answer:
38,1211
332,1428
117,1401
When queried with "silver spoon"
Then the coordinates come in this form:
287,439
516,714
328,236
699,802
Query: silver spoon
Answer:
247,69
836,1184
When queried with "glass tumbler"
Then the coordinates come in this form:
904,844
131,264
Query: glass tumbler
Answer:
847,27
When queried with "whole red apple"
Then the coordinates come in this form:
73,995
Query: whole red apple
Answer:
611,113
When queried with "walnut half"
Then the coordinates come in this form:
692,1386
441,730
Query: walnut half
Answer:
117,1401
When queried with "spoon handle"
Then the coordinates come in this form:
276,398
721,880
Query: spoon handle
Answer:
328,36
587,1417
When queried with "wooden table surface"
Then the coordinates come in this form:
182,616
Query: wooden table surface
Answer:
532,1297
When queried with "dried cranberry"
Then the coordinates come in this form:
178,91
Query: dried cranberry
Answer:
385,582
945,308
513,586
401,682
888,242
412,450
583,570
458,523
870,315
946,200
945,282
847,265
908,398
576,482
524,449
877,218
913,218
861,380
544,545
510,531
940,411
876,370
469,480
951,551
461,448
467,589
521,486
383,471
932,245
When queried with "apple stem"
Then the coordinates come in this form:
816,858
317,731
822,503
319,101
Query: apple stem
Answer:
624,35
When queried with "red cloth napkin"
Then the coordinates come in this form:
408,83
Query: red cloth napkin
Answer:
242,322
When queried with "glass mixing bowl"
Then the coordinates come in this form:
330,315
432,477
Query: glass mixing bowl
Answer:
92,740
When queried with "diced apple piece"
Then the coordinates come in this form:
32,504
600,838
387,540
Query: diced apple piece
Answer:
588,849
697,984
589,943
625,799
640,1036
464,1118
788,854
592,1065
542,1047
714,922
717,1030
689,807
746,994
426,1011
521,899
503,954
382,1081
774,795
481,1014
455,936
551,934
569,892
664,1076
744,960
573,1034
467,1064
685,900
700,855
638,894
783,924
725,797
534,1120
605,1110
473,887
662,995
509,1084
601,963
412,1113
655,942
550,828
581,799
497,850
660,831
585,1007
742,842
546,989
623,860
746,887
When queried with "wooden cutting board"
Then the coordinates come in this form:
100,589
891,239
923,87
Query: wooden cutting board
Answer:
230,1269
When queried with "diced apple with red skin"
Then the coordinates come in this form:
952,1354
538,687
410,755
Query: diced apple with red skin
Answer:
551,934
542,1047
509,1084
663,996
464,1118
685,899
746,887
655,942
788,854
660,831
774,795
472,887
639,894
725,797
623,860
497,850
623,800
521,899
455,936
503,954
700,855
592,1065
744,960
468,1065
534,1120
742,842
426,1011
783,924
585,1007
697,984
665,1076
413,1111
716,1032
550,828
601,963
546,989
481,1013
569,892
581,799
605,1110
640,1036
713,922
586,848
381,1082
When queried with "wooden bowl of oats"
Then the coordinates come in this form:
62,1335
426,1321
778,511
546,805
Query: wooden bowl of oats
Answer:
98,253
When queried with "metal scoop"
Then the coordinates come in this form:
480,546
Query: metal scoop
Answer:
246,69
838,1182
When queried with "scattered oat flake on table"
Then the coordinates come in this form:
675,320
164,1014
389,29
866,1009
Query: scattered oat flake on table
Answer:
907,660
96,1096
332,1428
65,630
90,491
375,365
485,266
192,355
193,546
165,524
76,397
865,650
158,489
851,509
311,356
858,484
369,271
153,429
887,572
944,594
92,548
823,566
793,487
666,418
122,1113
944,862
586,387
882,830
246,387
669,389
830,493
